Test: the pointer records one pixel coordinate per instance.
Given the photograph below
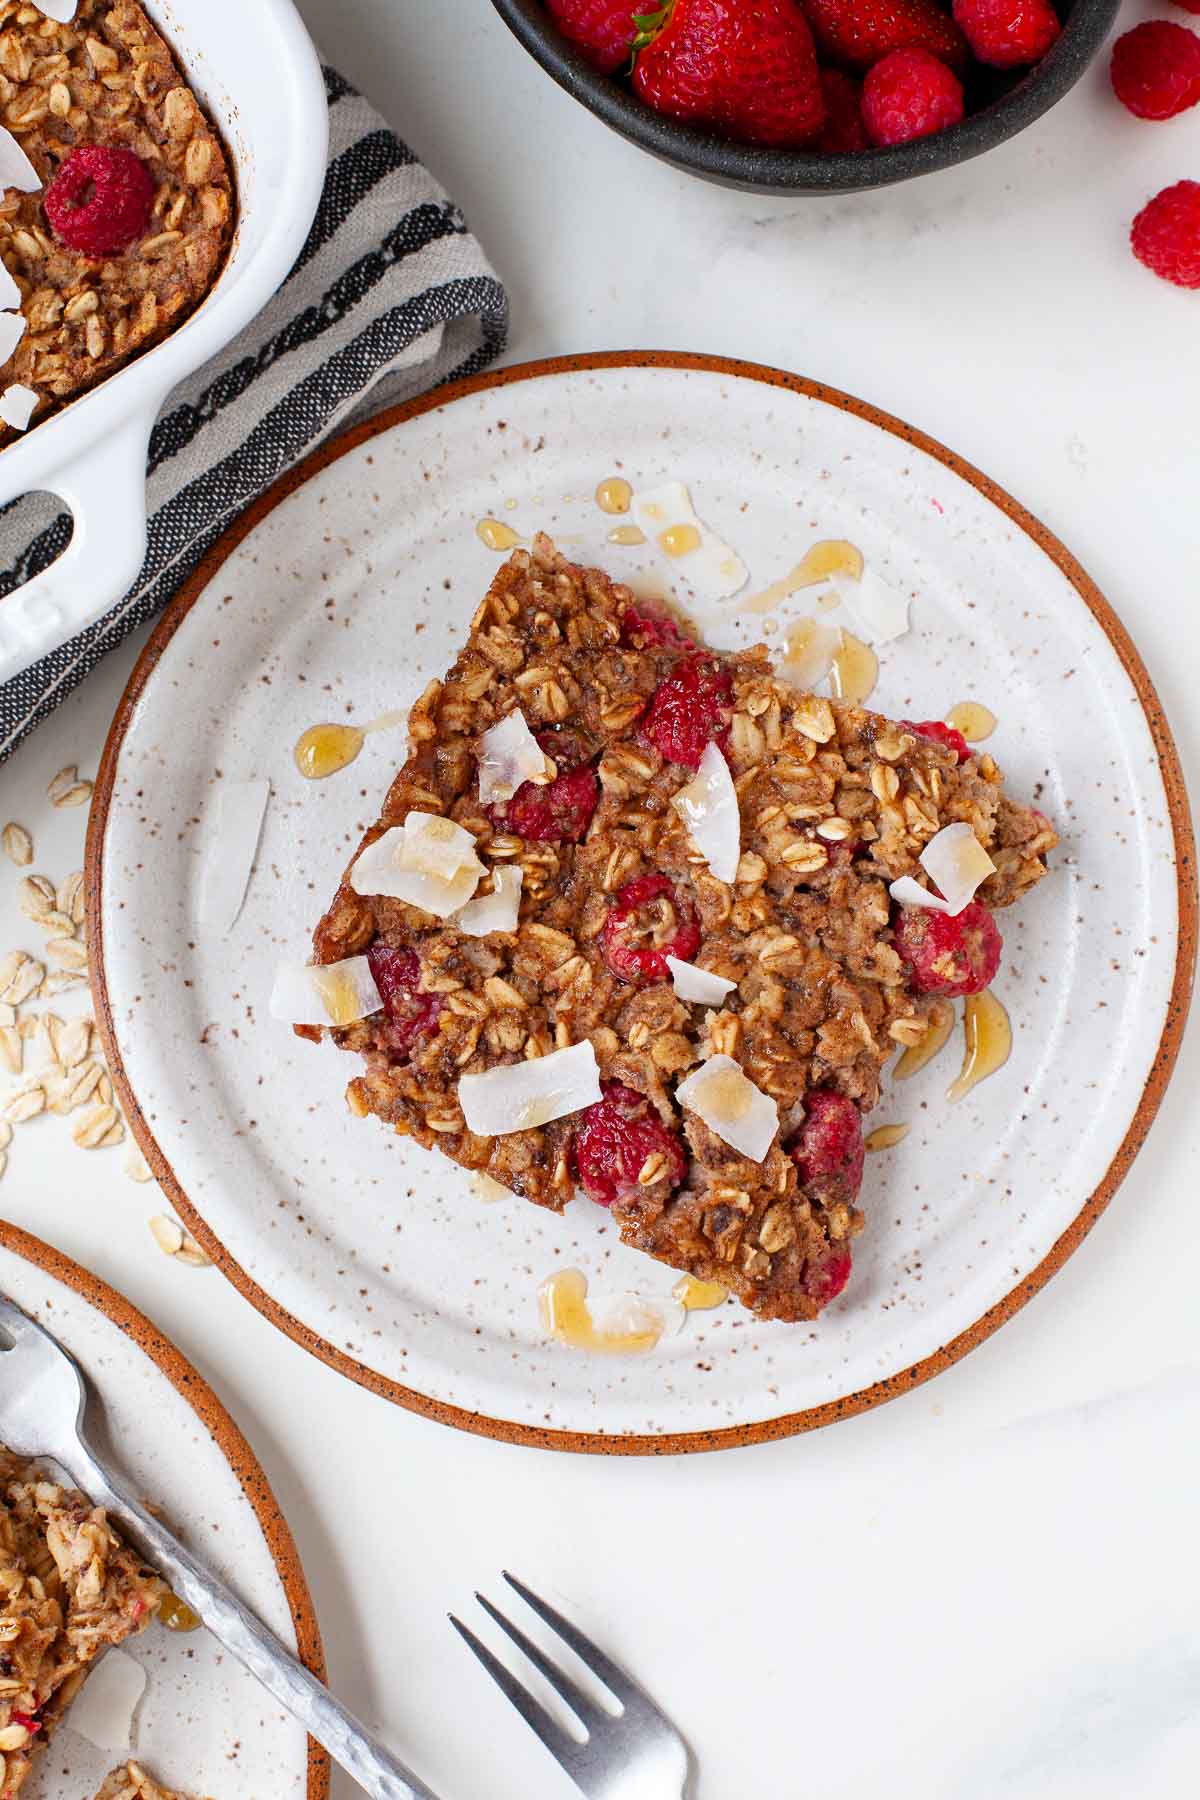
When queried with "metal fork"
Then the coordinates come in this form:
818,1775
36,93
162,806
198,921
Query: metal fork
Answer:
44,1402
633,1754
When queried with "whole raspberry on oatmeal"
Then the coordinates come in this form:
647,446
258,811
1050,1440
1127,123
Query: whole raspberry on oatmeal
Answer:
69,1588
134,217
619,1023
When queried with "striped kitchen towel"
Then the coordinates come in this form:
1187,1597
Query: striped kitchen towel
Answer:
390,296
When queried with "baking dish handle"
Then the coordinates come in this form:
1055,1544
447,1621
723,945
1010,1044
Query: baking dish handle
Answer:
105,490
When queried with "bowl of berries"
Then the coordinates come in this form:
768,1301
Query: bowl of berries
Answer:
813,96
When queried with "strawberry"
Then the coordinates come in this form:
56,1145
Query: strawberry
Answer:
860,32
745,67
603,29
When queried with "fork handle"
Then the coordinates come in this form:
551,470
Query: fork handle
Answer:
349,1742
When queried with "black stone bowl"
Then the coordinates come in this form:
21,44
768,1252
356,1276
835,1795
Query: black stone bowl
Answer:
999,104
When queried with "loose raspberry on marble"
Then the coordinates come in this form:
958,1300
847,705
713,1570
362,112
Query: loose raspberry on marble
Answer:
410,1013
615,1142
940,733
558,811
828,1151
648,923
689,709
948,954
101,199
1166,234
1155,69
825,1277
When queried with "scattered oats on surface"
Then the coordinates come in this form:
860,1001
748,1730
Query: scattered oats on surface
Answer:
168,1234
20,977
61,981
94,1127
5,1134
113,1136
67,789
135,1164
73,1041
3,1162
70,897
24,1104
36,896
192,1254
74,1087
68,953
8,1014
18,845
12,1047
60,923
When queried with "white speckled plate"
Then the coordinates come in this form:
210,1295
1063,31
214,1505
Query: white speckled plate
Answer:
343,594
203,1724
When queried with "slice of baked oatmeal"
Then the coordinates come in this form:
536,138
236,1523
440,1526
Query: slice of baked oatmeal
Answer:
111,253
805,809
69,1588
131,1782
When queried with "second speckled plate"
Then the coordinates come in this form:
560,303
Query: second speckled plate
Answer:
344,592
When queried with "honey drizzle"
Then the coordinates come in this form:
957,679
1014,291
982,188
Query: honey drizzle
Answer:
698,1296
679,540
973,719
562,1301
176,1614
325,749
626,534
496,534
884,1137
855,670
822,561
914,1059
988,1034
614,495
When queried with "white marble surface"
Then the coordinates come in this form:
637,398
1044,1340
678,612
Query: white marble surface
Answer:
988,1588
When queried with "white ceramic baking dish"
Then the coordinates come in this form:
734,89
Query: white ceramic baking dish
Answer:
254,66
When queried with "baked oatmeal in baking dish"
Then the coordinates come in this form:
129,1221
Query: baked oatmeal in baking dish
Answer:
131,1782
643,923
69,1588
130,207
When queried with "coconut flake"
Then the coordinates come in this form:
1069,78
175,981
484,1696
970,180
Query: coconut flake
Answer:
509,755
104,1708
497,911
61,11
232,823
811,647
523,1095
403,865
631,1315
877,611
338,993
670,522
957,862
16,406
12,330
720,1093
10,293
708,806
16,170
698,986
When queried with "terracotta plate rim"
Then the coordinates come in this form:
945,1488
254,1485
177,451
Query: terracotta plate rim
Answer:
788,1424
225,1433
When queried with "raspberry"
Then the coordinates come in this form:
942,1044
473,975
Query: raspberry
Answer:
688,710
31,1722
410,1013
942,734
633,941
829,1153
558,811
100,200
1156,69
1006,33
949,955
614,1139
648,629
603,29
1166,234
825,1279
843,127
910,94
